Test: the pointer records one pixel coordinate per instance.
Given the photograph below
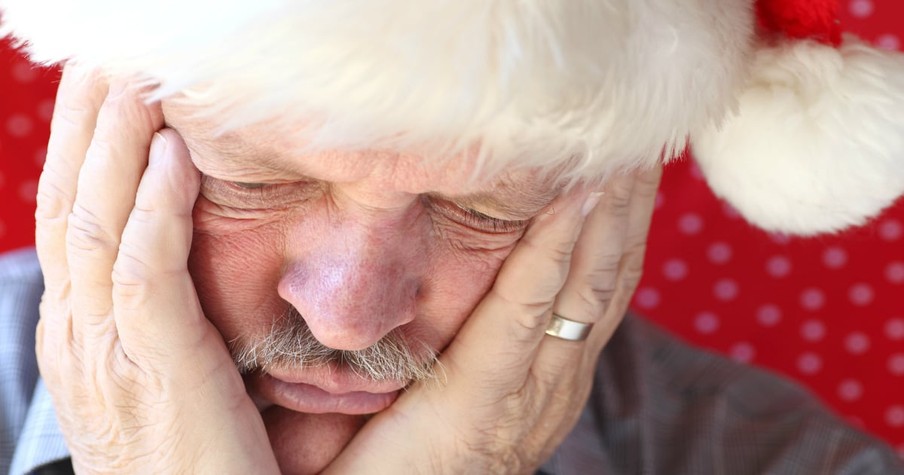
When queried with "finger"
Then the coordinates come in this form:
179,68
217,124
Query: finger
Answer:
592,293
607,262
630,268
592,280
107,184
156,307
78,100
509,322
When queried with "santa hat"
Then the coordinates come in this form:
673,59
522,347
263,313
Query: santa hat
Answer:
817,140
801,129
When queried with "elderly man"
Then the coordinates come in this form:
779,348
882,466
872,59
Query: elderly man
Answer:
335,279
371,270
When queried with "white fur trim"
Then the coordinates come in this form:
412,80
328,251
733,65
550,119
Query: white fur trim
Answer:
818,141
616,83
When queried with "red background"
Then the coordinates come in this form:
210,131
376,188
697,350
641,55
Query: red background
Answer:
826,311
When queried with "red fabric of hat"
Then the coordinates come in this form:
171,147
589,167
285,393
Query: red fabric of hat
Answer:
802,19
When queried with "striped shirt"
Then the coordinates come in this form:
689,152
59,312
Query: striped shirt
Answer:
657,406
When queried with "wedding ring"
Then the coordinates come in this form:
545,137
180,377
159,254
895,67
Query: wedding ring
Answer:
561,327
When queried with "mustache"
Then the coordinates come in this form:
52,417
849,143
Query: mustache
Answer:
290,343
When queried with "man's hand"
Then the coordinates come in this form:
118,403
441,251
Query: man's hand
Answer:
141,380
512,392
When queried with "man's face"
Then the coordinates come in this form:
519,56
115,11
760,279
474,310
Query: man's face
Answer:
369,251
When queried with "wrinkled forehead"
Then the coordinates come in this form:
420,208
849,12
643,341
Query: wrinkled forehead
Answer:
270,150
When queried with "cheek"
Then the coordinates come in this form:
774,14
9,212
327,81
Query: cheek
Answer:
463,265
236,267
456,281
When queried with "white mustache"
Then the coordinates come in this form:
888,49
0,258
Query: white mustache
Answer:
290,343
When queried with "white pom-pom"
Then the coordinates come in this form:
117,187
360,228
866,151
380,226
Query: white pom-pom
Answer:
817,141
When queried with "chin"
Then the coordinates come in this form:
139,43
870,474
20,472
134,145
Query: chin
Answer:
307,443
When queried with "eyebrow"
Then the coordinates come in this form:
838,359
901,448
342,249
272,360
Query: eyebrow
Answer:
517,202
523,210
224,149
506,196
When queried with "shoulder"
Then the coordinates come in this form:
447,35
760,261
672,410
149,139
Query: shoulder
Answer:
691,411
20,267
21,286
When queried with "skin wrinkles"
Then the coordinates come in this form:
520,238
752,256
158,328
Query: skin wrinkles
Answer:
234,200
358,260
213,218
258,154
358,244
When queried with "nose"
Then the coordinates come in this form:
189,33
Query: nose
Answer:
355,278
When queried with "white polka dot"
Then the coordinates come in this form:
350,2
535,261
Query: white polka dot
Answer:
812,299
778,266
690,224
894,272
647,297
769,315
809,363
856,343
850,390
742,352
719,253
889,42
660,200
706,322
725,289
674,269
891,230
896,364
28,191
780,239
45,110
24,73
19,125
861,294
861,8
834,257
894,329
894,416
813,330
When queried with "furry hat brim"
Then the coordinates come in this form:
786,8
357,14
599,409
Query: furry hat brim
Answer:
603,86
799,136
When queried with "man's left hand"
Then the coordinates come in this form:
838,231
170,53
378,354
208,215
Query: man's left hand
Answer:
512,393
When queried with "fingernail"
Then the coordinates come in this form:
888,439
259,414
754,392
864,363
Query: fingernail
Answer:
590,203
158,145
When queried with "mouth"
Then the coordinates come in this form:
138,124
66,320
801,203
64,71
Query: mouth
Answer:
323,390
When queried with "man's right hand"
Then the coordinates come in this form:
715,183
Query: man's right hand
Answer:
141,380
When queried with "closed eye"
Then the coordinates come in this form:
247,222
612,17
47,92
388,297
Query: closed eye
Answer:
252,195
476,219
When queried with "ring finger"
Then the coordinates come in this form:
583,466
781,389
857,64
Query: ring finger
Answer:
592,281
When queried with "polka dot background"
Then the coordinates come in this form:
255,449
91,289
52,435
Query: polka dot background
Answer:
26,104
826,311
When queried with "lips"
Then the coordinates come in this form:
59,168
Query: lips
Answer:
324,390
